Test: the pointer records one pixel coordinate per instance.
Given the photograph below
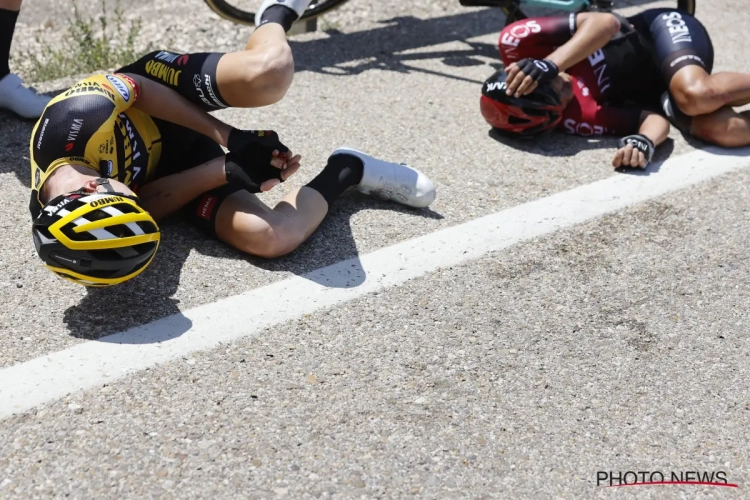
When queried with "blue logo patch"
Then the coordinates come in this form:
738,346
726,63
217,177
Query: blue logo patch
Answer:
122,89
106,167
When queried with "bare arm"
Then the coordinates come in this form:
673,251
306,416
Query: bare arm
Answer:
165,196
594,31
654,126
164,103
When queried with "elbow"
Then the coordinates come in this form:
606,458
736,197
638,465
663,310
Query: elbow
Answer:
612,24
603,22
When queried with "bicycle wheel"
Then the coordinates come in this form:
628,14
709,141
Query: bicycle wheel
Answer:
243,11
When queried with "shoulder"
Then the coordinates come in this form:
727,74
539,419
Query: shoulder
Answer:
117,88
75,116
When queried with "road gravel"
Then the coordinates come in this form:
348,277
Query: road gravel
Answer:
617,345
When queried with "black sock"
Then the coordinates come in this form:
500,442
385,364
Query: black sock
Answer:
342,172
279,14
7,25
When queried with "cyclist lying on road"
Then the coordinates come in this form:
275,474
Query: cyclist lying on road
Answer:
599,73
146,129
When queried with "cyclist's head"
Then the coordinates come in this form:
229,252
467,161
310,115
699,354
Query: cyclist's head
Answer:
95,235
526,116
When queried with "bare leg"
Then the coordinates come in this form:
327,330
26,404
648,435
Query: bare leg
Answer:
10,4
698,93
724,127
247,224
261,74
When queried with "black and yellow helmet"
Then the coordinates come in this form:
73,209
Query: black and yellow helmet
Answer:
95,239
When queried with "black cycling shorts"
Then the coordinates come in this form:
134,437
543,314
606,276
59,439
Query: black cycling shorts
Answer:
192,75
183,149
679,40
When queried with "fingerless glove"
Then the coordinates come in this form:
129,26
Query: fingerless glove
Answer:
641,143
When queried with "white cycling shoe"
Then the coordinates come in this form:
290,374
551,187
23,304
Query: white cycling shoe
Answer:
21,100
393,181
297,6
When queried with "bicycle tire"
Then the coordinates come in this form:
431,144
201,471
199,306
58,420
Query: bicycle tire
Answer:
686,5
232,13
318,8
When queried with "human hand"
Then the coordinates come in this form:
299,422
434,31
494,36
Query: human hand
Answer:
527,74
257,176
288,164
634,151
268,139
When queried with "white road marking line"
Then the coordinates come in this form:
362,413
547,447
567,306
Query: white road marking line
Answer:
94,363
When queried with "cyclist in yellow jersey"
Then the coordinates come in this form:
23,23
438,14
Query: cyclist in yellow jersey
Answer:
116,153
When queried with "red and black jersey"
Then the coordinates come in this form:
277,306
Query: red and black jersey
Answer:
611,87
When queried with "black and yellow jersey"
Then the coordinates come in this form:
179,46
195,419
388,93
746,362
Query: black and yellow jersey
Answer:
92,124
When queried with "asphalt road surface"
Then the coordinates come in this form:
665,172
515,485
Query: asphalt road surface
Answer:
615,344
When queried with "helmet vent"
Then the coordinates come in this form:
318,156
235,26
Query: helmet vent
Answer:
126,208
514,120
120,230
535,112
148,227
68,230
97,215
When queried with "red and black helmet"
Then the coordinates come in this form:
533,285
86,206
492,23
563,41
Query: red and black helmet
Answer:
526,116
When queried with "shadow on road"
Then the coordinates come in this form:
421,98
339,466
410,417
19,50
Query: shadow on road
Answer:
382,48
558,144
150,296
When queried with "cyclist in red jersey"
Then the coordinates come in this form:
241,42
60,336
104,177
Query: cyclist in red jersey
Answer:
618,76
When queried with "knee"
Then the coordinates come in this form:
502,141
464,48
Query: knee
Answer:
694,98
271,243
276,72
610,21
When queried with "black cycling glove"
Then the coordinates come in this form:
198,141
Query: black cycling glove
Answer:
641,143
248,162
540,70
267,139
